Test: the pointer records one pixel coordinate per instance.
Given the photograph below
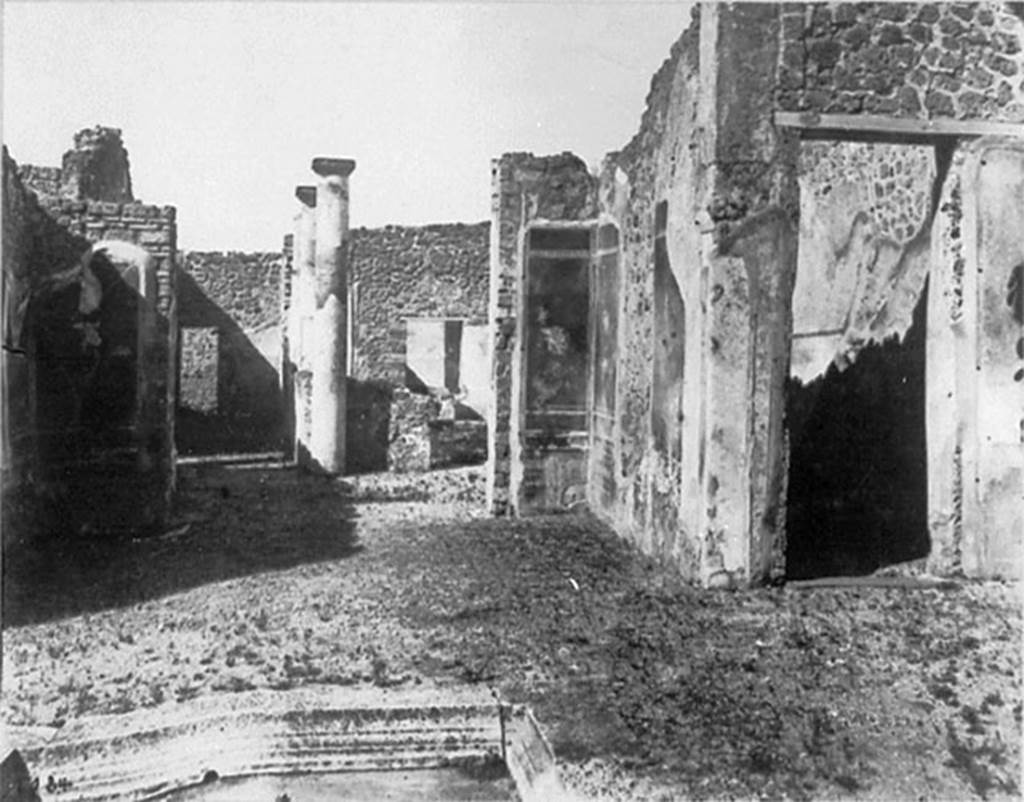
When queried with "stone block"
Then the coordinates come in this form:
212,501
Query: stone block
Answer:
950,26
1005,93
845,14
1001,64
138,211
964,11
971,104
159,237
792,26
939,103
908,100
890,34
856,37
1007,43
920,33
979,78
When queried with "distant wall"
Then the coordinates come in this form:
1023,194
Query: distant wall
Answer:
230,357
232,394
418,307
401,272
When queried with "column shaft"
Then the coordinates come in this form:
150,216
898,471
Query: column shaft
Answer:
300,319
327,347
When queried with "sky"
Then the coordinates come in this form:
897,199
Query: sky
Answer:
223,105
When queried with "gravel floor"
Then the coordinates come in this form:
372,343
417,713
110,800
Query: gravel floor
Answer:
648,689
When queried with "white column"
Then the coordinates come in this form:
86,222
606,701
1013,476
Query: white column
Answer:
300,317
327,343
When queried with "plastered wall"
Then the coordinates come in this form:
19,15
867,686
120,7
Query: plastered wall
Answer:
645,428
527,191
974,365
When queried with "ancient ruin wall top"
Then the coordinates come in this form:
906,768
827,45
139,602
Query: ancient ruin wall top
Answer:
97,167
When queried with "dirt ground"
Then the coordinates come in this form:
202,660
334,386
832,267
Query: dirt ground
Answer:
648,689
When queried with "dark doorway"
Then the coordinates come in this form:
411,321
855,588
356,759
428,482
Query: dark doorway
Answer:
858,462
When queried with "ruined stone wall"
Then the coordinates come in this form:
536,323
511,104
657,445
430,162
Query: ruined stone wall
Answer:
409,431
145,292
688,465
233,395
649,233
398,272
705,202
230,357
41,180
457,443
96,168
19,209
247,286
527,189
930,60
89,308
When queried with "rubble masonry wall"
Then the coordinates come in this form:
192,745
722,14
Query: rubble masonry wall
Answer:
59,468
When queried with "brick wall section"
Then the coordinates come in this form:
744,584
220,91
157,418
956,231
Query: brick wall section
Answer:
152,228
427,271
101,481
525,188
932,60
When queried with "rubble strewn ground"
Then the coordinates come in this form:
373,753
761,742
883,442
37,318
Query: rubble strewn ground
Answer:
648,689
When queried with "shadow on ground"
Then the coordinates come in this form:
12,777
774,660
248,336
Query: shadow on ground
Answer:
231,521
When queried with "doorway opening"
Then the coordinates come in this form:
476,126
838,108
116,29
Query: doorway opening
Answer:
858,497
555,367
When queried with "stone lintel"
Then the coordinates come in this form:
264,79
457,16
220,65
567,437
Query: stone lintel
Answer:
325,166
306,194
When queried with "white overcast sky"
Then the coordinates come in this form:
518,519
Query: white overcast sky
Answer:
223,105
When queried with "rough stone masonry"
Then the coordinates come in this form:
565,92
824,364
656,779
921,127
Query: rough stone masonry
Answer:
808,180
89,336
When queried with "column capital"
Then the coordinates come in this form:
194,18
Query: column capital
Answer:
306,194
325,166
